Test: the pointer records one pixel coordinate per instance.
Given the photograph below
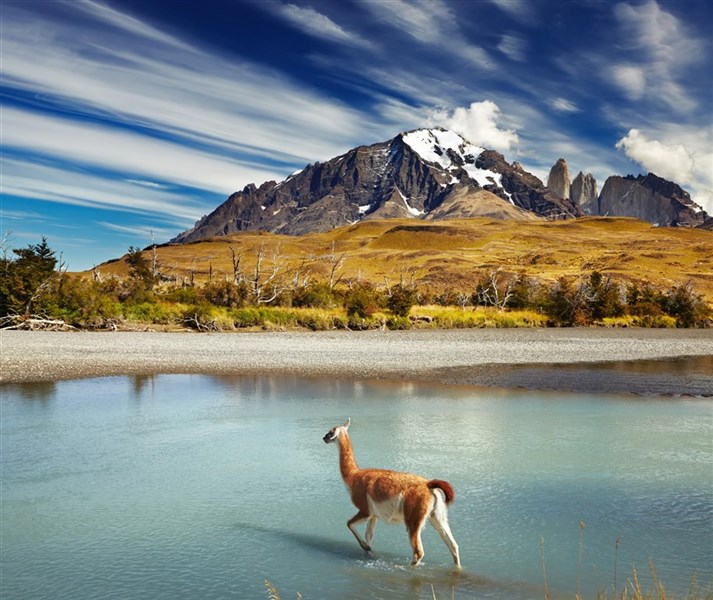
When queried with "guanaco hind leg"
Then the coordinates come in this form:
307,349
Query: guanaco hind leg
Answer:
439,519
444,531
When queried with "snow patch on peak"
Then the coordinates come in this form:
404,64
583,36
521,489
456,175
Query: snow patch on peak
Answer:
451,152
414,211
432,145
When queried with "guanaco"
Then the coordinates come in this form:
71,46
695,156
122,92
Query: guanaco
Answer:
393,497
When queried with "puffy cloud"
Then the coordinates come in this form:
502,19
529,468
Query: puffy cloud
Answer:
689,166
673,162
479,124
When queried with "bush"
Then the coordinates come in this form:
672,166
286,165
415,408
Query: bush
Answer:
318,295
401,300
83,303
152,312
199,316
362,301
188,295
688,308
225,293
398,322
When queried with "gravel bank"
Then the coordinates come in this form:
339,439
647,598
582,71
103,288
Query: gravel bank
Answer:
629,360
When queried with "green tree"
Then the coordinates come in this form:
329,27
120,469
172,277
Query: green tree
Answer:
688,307
26,280
602,297
140,268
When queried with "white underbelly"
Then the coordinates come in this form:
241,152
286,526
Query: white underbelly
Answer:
390,511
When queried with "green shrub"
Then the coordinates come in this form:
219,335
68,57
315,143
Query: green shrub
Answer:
152,312
188,295
317,295
401,300
225,293
397,322
362,301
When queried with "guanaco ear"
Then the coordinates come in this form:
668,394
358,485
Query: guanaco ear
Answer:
346,425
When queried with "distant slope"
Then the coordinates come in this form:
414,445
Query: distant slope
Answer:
450,253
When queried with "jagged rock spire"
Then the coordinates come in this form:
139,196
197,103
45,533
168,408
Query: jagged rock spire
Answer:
558,179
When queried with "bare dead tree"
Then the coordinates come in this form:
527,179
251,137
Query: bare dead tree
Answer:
335,262
265,284
411,272
154,257
462,299
495,290
192,276
236,259
302,271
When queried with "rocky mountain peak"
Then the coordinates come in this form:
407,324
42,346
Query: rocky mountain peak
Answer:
650,198
558,179
424,174
583,192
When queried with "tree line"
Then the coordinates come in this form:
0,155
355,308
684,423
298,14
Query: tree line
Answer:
36,288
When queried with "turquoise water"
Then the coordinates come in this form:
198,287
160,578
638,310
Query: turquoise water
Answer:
179,486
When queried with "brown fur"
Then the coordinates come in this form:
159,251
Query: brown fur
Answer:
445,486
380,485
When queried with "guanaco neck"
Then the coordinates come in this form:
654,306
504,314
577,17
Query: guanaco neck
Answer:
347,464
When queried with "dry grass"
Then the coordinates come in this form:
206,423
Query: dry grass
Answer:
450,253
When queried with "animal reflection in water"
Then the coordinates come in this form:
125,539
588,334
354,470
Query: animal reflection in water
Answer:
393,497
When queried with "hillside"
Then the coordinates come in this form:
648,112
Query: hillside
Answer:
449,254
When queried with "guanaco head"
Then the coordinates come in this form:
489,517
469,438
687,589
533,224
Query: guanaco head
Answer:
335,432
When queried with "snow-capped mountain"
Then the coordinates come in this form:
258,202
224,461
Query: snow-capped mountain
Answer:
421,174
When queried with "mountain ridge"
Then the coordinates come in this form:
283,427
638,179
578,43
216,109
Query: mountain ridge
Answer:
433,174
408,176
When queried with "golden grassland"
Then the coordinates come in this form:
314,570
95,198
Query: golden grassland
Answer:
449,254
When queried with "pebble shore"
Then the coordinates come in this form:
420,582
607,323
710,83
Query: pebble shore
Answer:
642,361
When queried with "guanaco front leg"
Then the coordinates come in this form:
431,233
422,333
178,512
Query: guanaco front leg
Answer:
358,518
415,539
370,527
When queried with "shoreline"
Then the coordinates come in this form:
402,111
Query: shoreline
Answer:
637,361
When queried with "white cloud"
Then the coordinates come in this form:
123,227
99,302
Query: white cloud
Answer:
513,47
52,183
630,79
124,152
690,168
564,105
672,162
658,47
319,25
433,23
117,20
521,10
479,124
148,232
174,90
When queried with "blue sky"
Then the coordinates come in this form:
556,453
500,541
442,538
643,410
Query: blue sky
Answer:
127,120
